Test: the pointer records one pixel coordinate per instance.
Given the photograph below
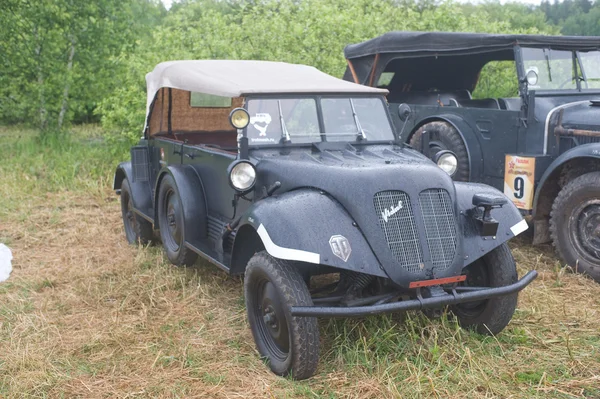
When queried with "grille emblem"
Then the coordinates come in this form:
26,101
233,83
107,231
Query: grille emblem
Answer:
340,247
391,212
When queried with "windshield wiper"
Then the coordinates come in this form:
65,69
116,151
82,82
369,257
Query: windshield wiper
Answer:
285,135
547,55
361,132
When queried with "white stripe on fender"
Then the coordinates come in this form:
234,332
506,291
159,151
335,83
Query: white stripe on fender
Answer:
519,227
286,253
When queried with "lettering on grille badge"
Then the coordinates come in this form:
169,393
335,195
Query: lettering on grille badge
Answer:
391,212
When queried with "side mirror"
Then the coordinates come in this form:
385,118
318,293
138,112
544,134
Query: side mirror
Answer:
404,112
532,77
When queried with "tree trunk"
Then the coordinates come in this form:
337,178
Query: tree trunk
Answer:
40,81
65,98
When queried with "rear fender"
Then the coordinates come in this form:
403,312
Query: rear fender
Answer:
193,200
305,225
511,223
140,191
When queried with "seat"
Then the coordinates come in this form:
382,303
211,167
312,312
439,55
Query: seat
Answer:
513,104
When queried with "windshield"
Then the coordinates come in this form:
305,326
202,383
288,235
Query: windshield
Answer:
555,69
296,120
590,63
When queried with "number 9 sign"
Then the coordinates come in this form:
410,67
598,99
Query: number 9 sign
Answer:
519,174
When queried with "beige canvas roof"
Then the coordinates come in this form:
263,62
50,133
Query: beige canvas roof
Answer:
235,78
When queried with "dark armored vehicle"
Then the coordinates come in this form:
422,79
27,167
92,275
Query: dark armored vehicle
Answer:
539,141
280,172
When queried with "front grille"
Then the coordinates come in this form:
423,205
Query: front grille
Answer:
440,226
398,224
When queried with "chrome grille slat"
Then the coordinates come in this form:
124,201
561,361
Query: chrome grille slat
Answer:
440,226
400,229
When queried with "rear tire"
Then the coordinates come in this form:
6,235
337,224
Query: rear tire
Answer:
137,229
289,344
575,224
172,222
443,136
495,269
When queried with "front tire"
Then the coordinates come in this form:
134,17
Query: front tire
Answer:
137,229
289,344
171,222
495,269
443,136
575,224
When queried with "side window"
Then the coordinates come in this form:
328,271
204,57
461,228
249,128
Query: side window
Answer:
497,79
203,100
385,79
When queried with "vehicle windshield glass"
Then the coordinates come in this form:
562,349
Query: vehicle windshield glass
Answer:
555,69
296,120
590,62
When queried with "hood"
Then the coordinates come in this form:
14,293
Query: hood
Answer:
583,115
395,195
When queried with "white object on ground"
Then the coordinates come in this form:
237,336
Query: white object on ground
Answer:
5,262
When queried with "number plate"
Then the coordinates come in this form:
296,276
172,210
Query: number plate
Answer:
519,174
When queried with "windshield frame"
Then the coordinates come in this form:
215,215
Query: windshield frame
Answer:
317,97
579,71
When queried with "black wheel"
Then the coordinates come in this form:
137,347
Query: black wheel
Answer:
495,269
289,344
575,224
137,229
443,136
171,222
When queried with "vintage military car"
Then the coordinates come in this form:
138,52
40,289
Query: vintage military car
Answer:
281,173
540,143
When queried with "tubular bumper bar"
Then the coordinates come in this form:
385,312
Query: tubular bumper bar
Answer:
415,304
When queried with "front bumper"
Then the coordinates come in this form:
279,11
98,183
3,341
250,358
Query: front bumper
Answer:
415,304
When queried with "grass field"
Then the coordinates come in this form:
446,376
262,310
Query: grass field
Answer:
86,315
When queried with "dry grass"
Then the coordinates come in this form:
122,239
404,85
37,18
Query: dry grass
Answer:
85,315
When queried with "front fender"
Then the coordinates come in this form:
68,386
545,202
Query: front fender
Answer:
511,223
140,191
585,151
299,225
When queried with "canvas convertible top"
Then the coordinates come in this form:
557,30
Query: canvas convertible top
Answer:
447,43
235,78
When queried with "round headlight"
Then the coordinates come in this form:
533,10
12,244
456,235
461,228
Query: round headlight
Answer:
242,176
447,162
239,118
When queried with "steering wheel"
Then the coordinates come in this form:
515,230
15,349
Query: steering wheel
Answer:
562,85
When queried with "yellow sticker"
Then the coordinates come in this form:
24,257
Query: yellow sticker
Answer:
519,174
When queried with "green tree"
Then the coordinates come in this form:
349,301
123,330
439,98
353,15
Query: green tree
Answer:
59,55
312,32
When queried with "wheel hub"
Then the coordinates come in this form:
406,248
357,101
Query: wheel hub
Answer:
272,316
588,227
171,219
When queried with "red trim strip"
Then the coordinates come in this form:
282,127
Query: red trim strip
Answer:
439,281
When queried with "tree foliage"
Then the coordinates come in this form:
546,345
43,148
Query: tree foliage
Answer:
311,32
59,55
68,61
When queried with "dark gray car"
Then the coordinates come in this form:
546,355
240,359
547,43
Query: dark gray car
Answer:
540,144
280,173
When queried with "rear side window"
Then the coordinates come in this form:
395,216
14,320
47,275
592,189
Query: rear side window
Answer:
209,101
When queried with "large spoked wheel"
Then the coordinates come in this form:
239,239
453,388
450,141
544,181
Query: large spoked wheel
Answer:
495,269
575,224
172,224
289,344
443,136
137,229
